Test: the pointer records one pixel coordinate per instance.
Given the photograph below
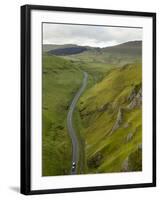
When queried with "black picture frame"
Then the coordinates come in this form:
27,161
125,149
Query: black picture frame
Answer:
26,98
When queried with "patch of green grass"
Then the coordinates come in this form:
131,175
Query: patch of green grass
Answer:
61,79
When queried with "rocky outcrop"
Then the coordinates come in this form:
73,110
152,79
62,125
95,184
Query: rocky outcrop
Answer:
125,165
118,121
129,137
135,99
95,161
126,125
134,161
104,107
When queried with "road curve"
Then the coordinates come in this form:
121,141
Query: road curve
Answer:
70,126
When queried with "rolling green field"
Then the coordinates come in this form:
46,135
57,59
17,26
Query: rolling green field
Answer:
108,117
61,78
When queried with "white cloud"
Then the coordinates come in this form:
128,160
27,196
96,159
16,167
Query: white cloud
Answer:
99,36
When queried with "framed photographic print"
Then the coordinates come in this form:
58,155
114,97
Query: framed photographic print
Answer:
88,99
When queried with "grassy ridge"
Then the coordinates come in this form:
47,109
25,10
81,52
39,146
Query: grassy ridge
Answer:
61,79
112,123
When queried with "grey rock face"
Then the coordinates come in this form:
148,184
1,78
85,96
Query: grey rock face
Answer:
126,125
136,99
132,95
118,121
129,137
95,161
103,107
125,165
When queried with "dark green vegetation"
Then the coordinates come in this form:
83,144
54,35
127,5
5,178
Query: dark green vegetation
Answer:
67,51
49,47
108,118
61,79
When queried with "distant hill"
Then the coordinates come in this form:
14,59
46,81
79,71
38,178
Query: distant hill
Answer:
136,43
66,49
119,55
127,47
49,47
132,47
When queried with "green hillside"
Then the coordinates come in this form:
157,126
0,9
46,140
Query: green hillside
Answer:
129,52
61,79
132,48
111,118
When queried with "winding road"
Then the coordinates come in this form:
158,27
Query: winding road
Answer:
70,126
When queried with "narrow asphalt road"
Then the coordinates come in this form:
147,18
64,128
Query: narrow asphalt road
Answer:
70,126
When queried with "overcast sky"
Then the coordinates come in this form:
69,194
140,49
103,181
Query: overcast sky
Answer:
96,36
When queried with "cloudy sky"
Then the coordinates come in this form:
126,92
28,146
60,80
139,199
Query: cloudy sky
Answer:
96,36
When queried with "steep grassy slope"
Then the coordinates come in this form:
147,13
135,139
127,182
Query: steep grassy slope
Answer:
61,79
111,116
